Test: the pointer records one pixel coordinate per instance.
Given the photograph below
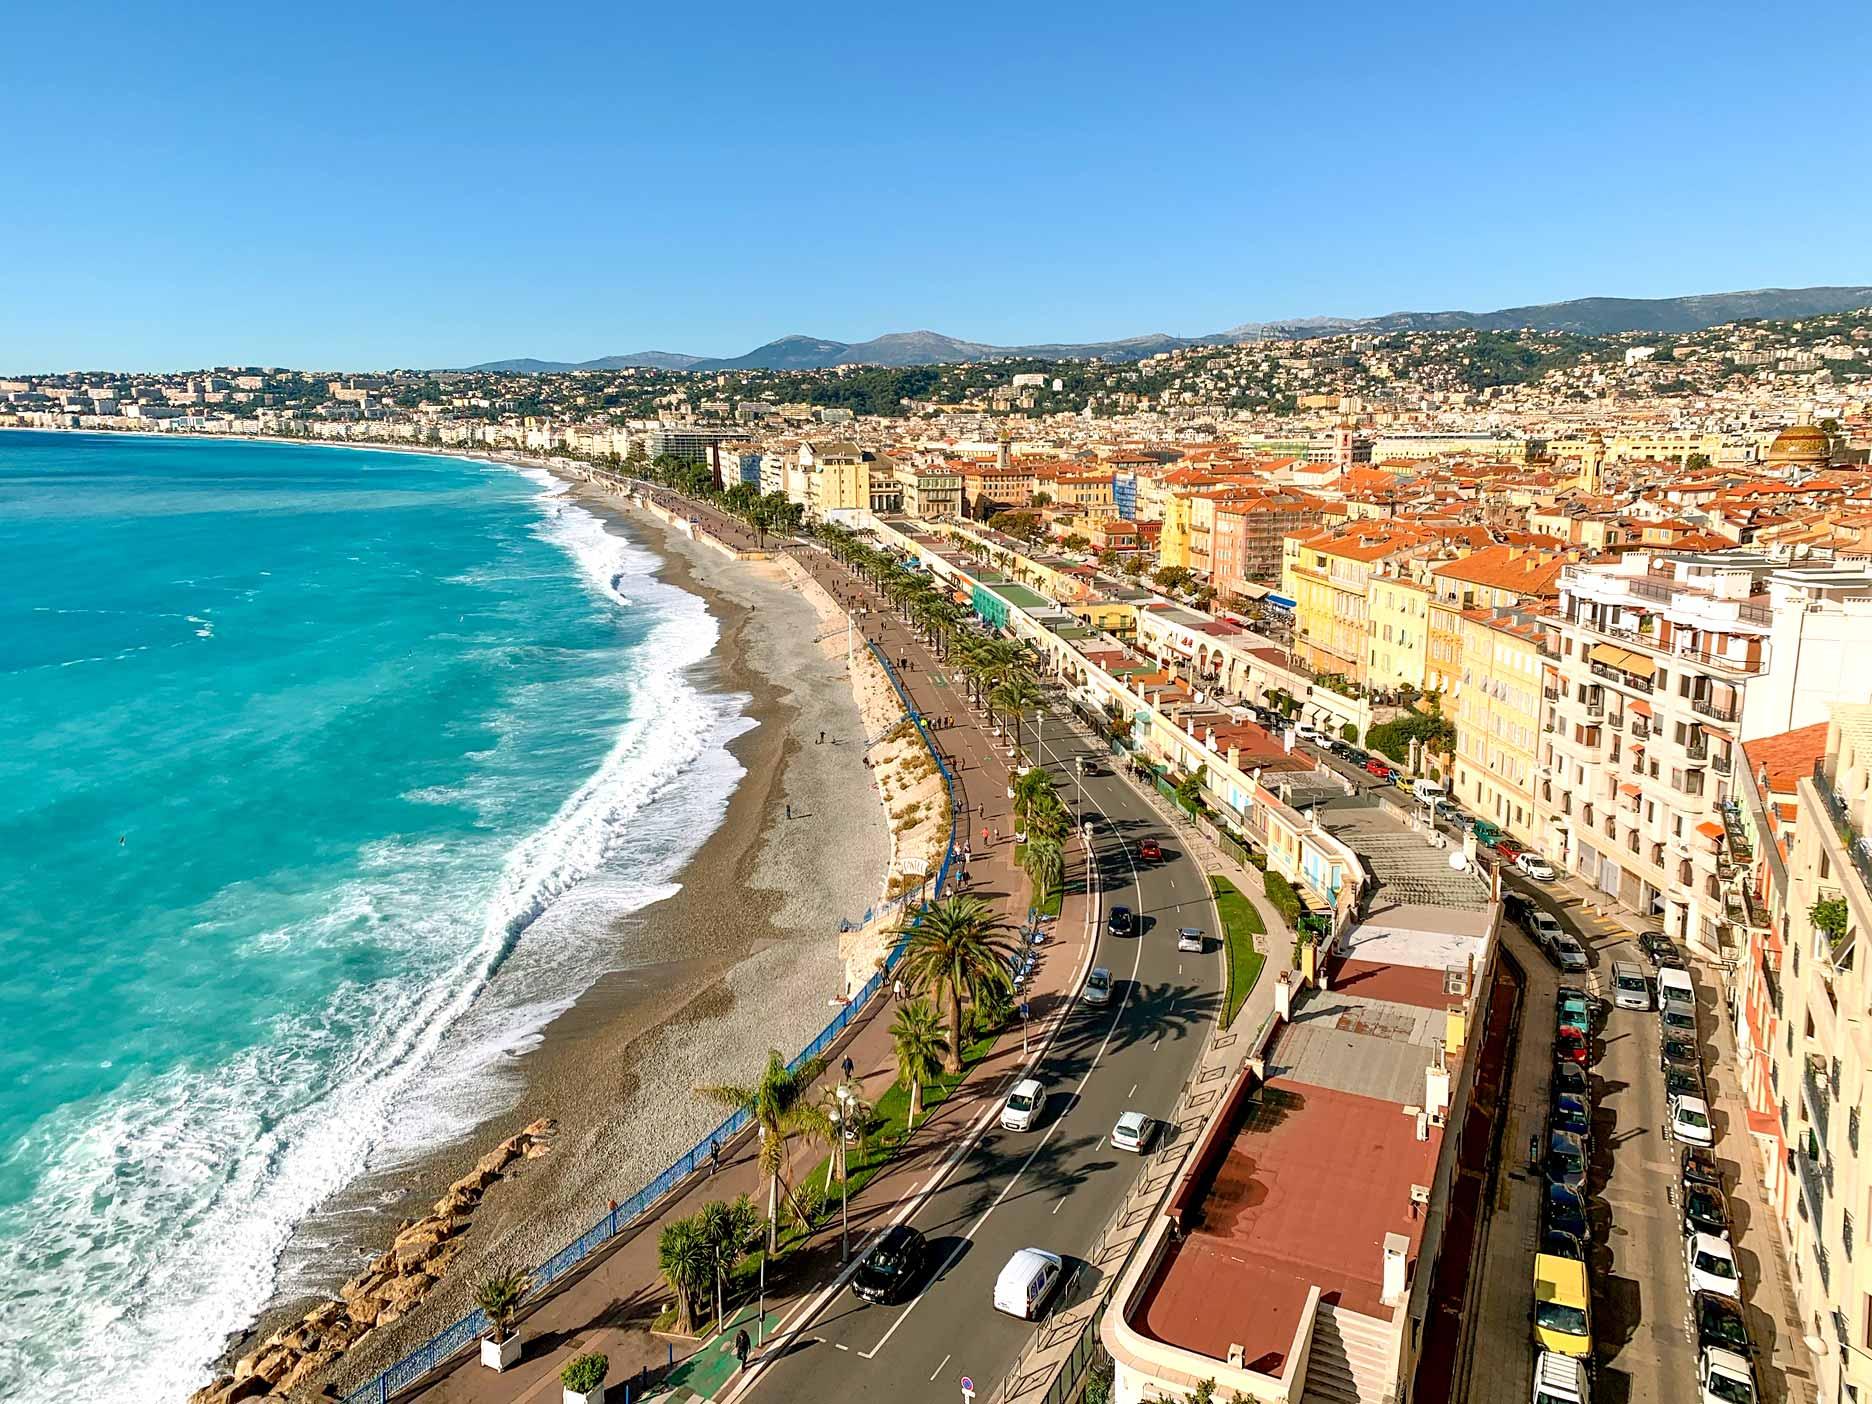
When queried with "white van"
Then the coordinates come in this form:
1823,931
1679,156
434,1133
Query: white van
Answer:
1630,989
1560,1379
1674,987
1428,791
1022,1107
1026,1282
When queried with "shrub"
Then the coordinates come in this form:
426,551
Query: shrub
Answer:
1349,733
807,1207
498,1294
584,1373
1281,893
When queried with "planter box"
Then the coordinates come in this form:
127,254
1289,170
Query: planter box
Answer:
595,1397
498,1355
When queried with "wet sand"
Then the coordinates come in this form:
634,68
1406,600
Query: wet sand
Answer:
744,958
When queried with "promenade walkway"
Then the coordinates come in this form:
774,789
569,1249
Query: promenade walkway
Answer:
608,1305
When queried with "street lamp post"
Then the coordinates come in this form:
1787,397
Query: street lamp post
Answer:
843,1116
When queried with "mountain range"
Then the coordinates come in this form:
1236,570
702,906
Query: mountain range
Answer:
1588,316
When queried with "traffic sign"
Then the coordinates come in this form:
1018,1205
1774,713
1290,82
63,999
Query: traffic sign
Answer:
968,1390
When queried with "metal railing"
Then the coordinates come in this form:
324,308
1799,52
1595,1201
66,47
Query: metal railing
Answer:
439,1349
1848,832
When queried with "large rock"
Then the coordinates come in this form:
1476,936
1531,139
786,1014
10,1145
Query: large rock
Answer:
228,1390
497,1160
402,1295
308,1366
268,1363
416,1245
367,1283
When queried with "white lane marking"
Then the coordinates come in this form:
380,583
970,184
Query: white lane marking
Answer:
939,1369
837,1345
1133,1091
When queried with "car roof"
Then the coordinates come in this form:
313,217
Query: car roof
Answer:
1133,1118
1569,1139
1025,1262
1693,1104
1189,931
1100,970
1028,1085
1725,1359
1714,1246
898,1236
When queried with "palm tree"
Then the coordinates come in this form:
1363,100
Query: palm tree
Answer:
1045,862
958,947
686,1262
498,1294
776,1103
726,1230
1017,692
916,1037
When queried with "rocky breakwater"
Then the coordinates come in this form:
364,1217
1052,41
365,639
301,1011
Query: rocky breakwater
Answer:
387,1289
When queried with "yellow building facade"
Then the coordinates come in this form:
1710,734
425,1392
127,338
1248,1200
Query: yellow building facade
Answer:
1498,718
1399,609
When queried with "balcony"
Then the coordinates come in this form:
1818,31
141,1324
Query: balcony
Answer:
1815,1095
1722,663
1720,763
1722,711
1812,1190
1848,833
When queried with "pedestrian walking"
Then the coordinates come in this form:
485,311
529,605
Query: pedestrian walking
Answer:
742,1345
789,811
897,989
846,1067
714,1156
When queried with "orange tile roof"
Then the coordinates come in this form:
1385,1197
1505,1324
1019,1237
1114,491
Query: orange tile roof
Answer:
1788,756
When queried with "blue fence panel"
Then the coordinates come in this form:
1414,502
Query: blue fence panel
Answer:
442,1347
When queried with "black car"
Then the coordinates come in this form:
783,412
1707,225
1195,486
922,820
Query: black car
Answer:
1570,1113
1566,1211
1719,1323
1704,1210
1682,1082
1517,908
1570,1079
1698,1167
1676,1022
1659,949
1678,1052
891,1268
1556,1243
1120,922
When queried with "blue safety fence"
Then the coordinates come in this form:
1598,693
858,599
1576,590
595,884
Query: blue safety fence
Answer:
448,1343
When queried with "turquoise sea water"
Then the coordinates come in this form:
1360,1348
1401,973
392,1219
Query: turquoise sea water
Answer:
323,775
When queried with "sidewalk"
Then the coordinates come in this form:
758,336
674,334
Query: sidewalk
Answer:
608,1305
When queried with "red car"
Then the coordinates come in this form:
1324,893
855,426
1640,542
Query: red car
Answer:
1570,1046
1148,850
1377,767
1509,849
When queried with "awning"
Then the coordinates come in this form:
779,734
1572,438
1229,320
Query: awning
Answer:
1638,665
1764,1123
1638,707
1710,829
1630,791
1609,654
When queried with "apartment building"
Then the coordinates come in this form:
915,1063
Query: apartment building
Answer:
930,490
1497,713
1657,668
1819,1056
833,476
1493,577
1327,573
1246,534
1399,608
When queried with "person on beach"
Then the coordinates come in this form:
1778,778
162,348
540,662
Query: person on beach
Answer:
789,811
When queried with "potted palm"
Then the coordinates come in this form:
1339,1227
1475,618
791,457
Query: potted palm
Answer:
498,1294
583,1378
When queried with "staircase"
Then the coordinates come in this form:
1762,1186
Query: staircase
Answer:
1353,1360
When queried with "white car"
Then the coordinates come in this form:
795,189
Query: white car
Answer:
1690,1122
1544,928
1534,866
1133,1132
1724,1377
1711,1266
1026,1282
1098,986
1022,1107
1310,734
1189,939
1560,1379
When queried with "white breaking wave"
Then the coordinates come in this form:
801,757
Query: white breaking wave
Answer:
161,1217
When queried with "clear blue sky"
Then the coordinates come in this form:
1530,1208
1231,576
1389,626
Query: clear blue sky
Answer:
373,186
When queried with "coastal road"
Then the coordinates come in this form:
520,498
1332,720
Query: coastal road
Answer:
1056,1186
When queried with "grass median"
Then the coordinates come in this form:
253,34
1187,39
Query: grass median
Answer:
1241,923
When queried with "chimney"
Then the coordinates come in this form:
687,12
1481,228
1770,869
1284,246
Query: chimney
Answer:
1396,1277
1436,1091
1283,996
1234,757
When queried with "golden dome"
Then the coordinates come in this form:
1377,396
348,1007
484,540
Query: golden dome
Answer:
1800,443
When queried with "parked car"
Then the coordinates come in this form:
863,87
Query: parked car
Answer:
1630,989
1724,1377
1543,928
1565,1161
892,1267
1487,834
1447,811
1710,1263
1675,1020
1704,1210
1560,1379
1718,1322
1570,1079
1509,850
1565,1210
1120,922
1557,1243
1022,1107
1026,1282
1572,1046
1659,949
1133,1132
1534,866
1697,1166
1690,1121
1562,1307
1574,1008
1098,986
1569,954
1149,850
1682,1081
1570,1113
1309,734
1374,766
1517,908
1189,939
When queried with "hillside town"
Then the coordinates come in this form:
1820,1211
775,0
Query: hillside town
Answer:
1604,604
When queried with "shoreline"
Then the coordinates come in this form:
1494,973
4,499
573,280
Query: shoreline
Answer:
742,957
